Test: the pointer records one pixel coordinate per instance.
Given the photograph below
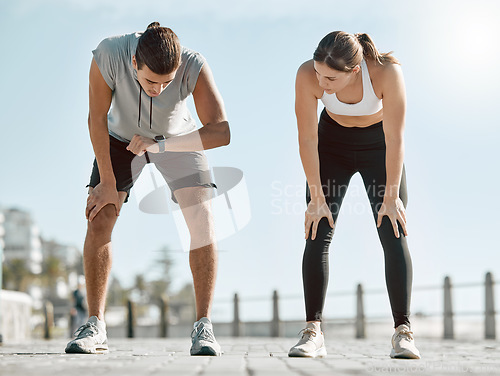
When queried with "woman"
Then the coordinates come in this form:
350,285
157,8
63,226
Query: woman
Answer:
360,130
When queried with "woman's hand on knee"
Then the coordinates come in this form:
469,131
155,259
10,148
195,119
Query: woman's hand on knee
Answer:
316,209
395,210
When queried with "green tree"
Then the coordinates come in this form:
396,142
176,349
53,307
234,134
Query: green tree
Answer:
52,270
162,265
117,295
16,275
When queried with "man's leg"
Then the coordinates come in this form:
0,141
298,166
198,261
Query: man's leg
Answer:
195,203
91,336
97,257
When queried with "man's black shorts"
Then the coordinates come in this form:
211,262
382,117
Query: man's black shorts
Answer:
179,169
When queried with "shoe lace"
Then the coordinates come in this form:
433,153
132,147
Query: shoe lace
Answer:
86,330
406,333
308,331
203,334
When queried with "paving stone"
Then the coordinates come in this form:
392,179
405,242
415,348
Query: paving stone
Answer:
250,357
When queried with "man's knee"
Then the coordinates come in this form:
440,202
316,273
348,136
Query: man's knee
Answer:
104,221
201,227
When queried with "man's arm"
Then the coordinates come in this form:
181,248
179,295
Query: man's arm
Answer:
100,96
210,109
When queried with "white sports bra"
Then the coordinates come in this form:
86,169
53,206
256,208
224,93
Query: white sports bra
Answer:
369,105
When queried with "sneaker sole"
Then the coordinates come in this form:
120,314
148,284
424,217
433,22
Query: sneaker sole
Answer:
98,349
205,350
320,353
406,354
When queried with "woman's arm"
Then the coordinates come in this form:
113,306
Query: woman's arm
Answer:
394,102
306,105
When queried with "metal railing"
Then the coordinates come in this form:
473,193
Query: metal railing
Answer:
359,320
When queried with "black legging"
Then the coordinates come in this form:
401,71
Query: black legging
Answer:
342,152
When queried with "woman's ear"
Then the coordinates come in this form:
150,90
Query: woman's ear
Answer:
356,69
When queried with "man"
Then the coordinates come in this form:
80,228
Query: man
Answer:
147,77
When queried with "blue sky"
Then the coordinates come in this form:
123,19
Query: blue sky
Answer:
448,53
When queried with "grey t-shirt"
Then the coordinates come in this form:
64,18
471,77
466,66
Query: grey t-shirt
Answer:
170,115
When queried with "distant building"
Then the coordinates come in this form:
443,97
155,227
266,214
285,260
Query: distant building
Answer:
70,267
69,255
22,239
54,266
2,232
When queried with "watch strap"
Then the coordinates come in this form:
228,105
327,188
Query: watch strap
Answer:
161,145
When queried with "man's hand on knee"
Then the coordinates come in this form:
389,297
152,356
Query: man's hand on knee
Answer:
101,196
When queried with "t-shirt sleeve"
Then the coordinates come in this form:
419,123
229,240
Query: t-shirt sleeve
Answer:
195,62
106,55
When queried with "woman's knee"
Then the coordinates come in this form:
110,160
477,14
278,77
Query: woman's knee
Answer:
324,232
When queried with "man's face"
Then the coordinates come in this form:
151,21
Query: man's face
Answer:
153,84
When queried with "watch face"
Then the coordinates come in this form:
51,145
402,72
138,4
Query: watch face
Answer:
159,138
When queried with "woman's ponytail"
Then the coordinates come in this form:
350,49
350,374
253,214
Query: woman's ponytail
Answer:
343,51
371,52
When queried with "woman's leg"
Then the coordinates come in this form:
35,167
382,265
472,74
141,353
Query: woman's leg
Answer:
336,169
398,265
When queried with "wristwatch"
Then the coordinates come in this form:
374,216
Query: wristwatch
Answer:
161,143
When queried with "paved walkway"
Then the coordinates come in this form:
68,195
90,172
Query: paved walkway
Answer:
250,356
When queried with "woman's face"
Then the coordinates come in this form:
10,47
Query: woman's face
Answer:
331,80
153,84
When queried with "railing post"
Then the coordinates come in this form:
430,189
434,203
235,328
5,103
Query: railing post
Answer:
275,324
489,309
1,270
236,317
48,312
130,319
71,325
360,313
448,310
163,316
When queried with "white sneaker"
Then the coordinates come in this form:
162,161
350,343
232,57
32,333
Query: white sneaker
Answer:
403,345
310,345
203,339
91,338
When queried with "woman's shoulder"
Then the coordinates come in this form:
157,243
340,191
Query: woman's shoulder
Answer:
383,75
306,68
384,71
306,81
306,74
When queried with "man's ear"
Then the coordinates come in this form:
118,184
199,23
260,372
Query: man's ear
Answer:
134,62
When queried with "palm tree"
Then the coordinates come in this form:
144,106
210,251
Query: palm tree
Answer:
52,270
16,275
163,265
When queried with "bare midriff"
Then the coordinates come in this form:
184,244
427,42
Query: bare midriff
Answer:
357,121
